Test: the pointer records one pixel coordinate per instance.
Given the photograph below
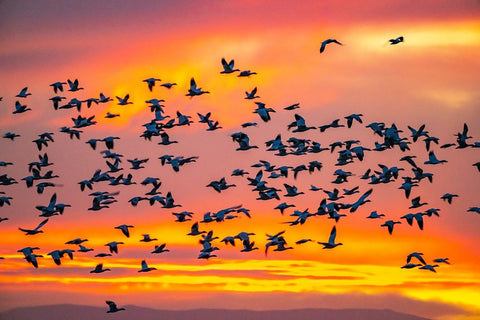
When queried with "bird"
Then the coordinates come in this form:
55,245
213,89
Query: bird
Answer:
23,93
353,116
36,230
292,106
331,240
417,255
194,91
166,139
124,101
151,82
160,249
228,66
375,215
477,165
302,241
328,41
432,159
396,40
113,307
429,267
361,201
195,230
57,254
390,224
411,265
410,160
137,163
99,269
243,141
84,249
283,206
168,85
220,185
249,124
76,241
263,112
11,135
112,115
291,191
19,108
183,216
248,246
448,197
281,245
5,200
334,124
239,172
57,86
206,255
299,124
124,228
441,260
246,73
416,203
145,267
74,85
109,141
113,246
251,94
474,209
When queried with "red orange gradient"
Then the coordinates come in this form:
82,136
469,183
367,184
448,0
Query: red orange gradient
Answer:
111,47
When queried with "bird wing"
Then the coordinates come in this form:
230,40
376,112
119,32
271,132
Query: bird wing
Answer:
322,47
193,85
41,224
333,234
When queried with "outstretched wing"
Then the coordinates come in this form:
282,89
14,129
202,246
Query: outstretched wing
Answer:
333,234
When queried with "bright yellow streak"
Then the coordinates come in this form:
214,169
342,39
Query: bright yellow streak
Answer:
456,34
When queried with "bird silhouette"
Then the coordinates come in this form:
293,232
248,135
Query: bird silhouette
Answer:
326,42
113,307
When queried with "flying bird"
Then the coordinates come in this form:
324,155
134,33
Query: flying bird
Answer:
36,230
328,41
194,90
124,101
125,229
145,267
151,82
228,67
331,240
99,269
396,40
23,93
113,307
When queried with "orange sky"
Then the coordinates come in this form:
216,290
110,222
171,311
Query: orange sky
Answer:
429,79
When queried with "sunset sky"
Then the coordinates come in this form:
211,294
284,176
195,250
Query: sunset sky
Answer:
431,78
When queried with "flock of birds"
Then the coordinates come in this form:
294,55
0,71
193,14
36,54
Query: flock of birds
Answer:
335,204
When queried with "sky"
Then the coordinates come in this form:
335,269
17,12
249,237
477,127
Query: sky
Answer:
429,79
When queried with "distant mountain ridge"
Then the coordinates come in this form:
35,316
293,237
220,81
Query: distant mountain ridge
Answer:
79,312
